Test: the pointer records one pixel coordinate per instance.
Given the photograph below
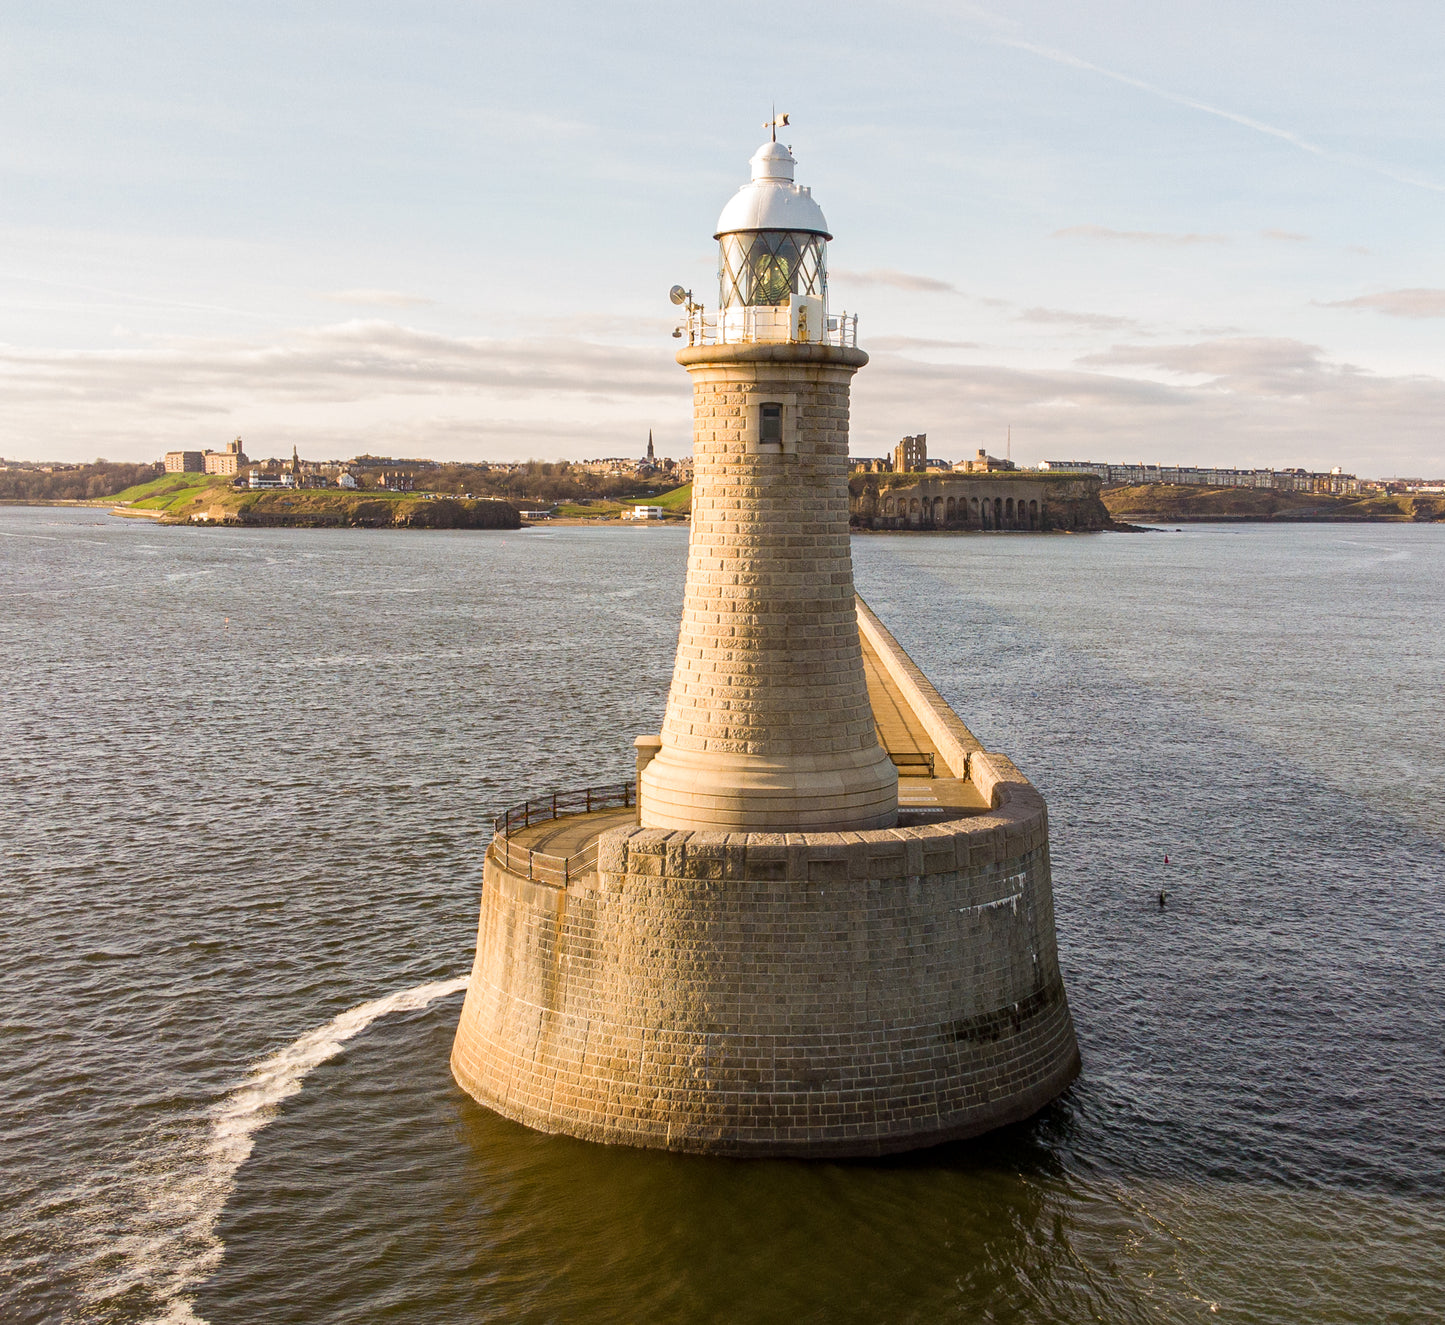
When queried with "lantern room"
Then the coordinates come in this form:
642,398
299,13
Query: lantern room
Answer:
773,257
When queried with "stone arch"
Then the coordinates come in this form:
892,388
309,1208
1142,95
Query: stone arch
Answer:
887,505
1033,515
1008,513
913,517
998,512
938,510
952,514
973,511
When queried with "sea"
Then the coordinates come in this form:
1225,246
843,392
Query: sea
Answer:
247,785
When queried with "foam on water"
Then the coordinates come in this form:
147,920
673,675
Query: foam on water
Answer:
176,1246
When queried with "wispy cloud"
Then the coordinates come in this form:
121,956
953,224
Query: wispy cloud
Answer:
898,343
1262,365
899,280
1285,236
1082,321
1417,303
1136,236
377,298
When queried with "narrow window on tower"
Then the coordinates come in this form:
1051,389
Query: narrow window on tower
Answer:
770,431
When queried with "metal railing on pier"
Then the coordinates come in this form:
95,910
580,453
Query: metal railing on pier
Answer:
540,866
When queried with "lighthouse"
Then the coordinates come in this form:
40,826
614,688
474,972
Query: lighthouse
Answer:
768,724
819,922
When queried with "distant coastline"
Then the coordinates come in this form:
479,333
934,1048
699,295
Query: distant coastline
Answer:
303,508
1168,503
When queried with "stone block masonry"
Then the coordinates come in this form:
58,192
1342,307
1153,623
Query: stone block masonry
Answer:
768,724
818,994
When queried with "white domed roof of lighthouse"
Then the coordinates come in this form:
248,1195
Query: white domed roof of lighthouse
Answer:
771,201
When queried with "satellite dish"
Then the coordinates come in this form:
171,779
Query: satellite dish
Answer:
678,295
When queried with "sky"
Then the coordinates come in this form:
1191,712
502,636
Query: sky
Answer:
1200,233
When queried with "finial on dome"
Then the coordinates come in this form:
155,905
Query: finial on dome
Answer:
776,123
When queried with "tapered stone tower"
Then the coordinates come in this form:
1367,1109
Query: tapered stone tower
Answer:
821,922
768,724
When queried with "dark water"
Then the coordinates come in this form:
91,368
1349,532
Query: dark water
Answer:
240,872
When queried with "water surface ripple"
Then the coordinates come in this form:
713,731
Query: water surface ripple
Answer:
248,775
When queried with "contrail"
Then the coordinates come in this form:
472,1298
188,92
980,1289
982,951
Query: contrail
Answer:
1001,34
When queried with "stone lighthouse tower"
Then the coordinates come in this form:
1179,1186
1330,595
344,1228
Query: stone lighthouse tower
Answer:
768,722
821,920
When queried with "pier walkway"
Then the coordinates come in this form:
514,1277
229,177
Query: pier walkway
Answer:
927,790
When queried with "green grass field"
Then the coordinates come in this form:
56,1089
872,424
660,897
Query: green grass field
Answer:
159,493
678,500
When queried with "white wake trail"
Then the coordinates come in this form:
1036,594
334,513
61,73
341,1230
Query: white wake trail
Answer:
178,1247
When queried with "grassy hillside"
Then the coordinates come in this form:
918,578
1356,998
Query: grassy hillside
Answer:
329,507
160,493
678,500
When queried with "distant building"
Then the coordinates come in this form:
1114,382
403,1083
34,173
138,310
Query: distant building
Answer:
1335,483
185,462
269,478
347,480
911,454
647,512
983,463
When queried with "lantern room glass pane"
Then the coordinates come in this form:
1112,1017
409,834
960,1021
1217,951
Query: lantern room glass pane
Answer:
765,267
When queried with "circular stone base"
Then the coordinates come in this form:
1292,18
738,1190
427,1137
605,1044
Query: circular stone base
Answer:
823,994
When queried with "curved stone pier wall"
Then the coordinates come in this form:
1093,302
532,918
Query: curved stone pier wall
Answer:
778,994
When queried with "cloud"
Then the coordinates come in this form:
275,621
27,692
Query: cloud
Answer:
1261,402
899,343
372,385
365,381
1230,357
1416,303
1285,236
378,298
899,280
342,362
1083,321
1135,236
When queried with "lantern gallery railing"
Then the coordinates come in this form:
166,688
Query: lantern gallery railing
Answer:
768,323
539,866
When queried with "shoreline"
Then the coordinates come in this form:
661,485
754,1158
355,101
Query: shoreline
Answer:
1142,522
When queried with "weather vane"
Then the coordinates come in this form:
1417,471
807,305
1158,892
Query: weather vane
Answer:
776,123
